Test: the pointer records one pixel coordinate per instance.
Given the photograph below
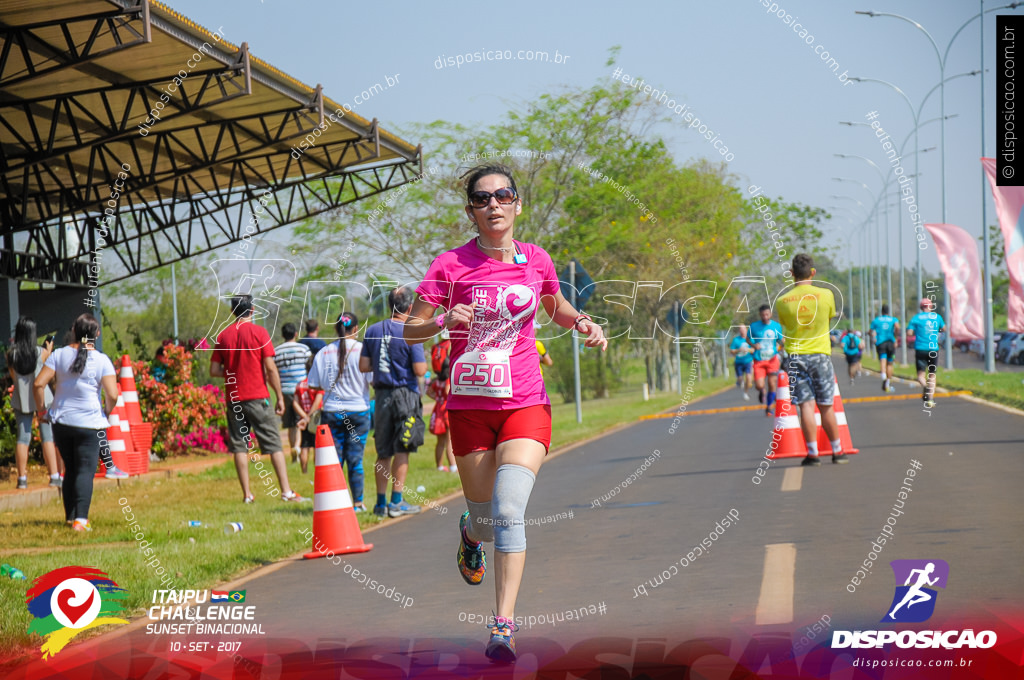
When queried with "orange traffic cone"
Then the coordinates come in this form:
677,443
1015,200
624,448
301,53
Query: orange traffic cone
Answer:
126,378
787,437
335,527
824,445
116,437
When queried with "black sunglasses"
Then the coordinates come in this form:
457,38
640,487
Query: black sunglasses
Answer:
504,196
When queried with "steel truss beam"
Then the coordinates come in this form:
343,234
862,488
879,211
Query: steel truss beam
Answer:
92,118
110,32
31,196
176,230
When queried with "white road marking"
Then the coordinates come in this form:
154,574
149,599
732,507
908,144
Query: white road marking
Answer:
792,478
775,604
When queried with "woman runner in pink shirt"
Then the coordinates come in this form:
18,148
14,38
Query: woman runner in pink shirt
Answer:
498,409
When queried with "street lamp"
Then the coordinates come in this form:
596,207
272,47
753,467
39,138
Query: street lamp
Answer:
899,217
888,233
943,58
874,211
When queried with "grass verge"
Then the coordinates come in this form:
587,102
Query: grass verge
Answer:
1003,388
201,557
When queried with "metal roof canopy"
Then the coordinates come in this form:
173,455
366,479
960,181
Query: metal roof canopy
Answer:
78,78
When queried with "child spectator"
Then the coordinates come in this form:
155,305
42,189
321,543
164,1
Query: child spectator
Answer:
305,402
438,391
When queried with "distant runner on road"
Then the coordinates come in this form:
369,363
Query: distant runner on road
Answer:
924,328
499,411
766,335
884,329
852,348
744,353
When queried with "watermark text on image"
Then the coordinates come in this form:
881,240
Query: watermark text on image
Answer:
698,551
804,33
530,621
458,60
878,544
680,110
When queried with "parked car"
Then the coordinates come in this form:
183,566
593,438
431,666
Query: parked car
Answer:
1007,346
978,346
1016,355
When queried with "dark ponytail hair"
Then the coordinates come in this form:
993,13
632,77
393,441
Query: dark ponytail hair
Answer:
22,356
86,329
343,326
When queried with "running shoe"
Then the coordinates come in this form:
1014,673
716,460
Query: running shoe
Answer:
839,458
79,525
892,388
22,482
811,460
768,412
502,647
359,507
292,497
746,397
116,473
380,511
403,508
885,385
57,482
472,561
442,468
250,498
930,403
851,382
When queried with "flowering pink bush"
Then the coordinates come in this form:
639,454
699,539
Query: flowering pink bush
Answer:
184,415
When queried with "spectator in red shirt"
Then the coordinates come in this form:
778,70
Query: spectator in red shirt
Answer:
244,357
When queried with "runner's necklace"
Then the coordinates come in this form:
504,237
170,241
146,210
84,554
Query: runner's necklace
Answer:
519,257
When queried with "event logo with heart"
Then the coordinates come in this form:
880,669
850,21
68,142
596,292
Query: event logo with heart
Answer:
69,600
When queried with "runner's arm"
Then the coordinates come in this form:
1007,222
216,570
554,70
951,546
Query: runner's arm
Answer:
563,314
216,369
274,378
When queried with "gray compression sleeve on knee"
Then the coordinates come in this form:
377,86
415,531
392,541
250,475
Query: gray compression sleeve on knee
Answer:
481,524
512,487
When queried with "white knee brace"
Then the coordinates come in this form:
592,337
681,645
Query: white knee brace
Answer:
513,485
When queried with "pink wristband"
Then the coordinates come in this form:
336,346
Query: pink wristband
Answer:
440,321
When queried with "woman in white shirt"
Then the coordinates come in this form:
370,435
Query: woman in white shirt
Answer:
79,423
24,361
346,407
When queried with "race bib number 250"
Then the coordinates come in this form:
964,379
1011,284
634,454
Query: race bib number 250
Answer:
482,374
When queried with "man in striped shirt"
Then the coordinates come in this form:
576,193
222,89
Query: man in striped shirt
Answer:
290,357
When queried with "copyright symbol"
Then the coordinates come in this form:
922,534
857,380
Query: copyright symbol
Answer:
1007,171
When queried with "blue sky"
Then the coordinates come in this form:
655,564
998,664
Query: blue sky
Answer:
744,72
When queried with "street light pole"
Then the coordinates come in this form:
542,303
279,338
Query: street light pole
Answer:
943,58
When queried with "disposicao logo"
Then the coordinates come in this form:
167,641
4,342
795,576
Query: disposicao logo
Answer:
913,602
69,600
923,573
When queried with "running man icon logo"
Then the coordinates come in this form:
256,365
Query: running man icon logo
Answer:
914,601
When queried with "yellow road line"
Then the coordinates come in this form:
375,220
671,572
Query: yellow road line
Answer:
853,400
898,397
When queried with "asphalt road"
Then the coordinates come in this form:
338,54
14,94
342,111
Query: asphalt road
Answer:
800,537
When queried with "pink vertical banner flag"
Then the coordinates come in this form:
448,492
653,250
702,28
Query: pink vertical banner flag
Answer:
958,255
1009,204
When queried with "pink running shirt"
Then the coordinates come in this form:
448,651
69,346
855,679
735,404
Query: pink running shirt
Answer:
494,366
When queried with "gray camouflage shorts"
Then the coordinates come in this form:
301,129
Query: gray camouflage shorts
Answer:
811,376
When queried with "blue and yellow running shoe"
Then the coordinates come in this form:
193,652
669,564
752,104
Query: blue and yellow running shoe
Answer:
502,647
472,560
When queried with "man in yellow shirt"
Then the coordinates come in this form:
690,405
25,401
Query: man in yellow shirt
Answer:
805,313
545,358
